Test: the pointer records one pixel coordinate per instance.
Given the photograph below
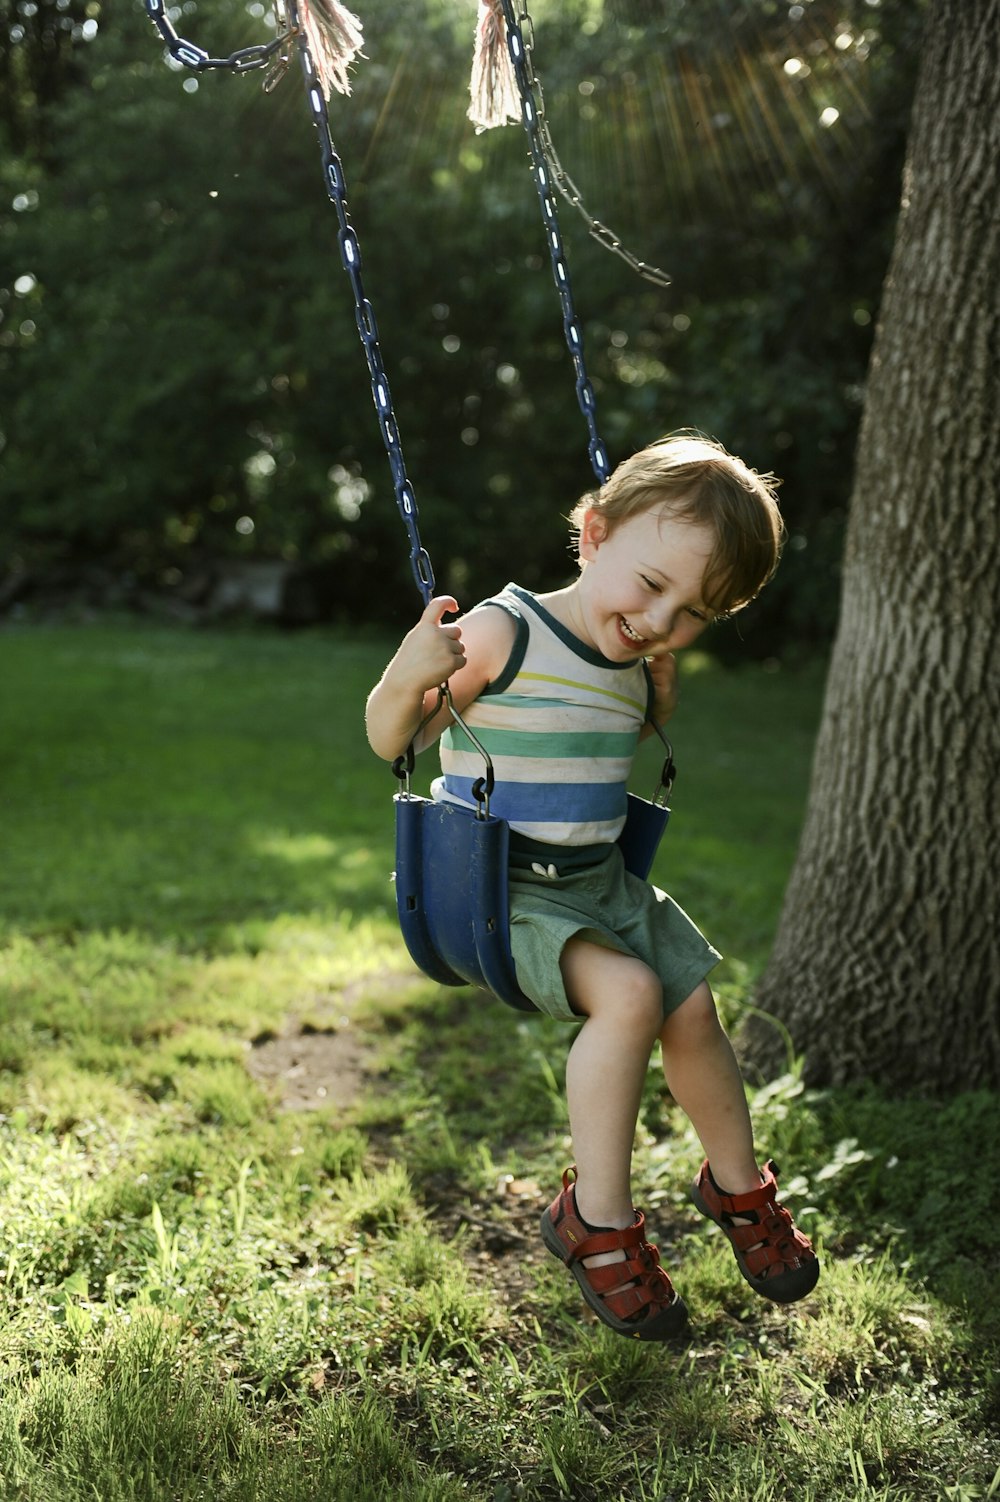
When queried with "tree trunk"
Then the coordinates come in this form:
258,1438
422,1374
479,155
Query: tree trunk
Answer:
887,959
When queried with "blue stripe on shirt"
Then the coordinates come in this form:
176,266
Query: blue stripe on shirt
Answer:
548,803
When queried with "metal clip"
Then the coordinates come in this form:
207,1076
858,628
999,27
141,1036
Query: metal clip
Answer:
402,770
483,786
669,771
286,34
276,72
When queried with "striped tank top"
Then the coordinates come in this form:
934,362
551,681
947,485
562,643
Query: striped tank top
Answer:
561,724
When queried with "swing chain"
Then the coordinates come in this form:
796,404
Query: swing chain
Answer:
364,313
604,236
550,219
245,60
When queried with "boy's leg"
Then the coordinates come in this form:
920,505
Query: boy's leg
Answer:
704,1079
621,1000
591,1226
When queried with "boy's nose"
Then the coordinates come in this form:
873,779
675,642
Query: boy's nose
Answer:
661,620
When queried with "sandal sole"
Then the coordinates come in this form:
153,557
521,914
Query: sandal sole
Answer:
663,1326
795,1284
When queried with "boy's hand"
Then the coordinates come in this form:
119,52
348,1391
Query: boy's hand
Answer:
431,651
663,671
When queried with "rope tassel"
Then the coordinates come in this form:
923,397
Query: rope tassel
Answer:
492,87
335,41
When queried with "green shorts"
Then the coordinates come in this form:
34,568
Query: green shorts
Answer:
611,907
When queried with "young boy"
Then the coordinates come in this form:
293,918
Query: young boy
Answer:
559,686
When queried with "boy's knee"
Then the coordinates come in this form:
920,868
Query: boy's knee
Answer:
695,1018
638,1001
619,988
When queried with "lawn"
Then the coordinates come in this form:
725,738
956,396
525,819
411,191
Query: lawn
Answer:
218,1282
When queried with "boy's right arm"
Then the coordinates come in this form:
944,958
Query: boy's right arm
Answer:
467,655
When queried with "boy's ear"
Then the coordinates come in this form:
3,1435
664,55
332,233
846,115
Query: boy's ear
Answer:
592,534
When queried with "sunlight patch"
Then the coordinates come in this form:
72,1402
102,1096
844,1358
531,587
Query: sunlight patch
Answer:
295,847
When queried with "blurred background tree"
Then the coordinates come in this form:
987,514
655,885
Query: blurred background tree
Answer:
180,374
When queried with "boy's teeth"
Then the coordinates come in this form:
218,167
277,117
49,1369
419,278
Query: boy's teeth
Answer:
629,631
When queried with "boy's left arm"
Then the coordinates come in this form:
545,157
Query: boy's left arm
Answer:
663,671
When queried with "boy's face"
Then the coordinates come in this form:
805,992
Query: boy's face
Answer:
640,594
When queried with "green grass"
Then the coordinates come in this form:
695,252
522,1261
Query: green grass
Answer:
206,1296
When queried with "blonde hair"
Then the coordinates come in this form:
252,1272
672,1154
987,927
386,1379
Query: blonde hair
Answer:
694,479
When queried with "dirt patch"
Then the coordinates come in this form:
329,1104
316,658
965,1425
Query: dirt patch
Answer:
324,1060
503,1245
311,1067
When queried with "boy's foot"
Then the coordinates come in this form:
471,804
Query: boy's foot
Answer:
633,1296
776,1259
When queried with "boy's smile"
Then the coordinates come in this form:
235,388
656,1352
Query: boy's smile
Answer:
640,594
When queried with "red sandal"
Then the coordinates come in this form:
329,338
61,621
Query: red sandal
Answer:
649,1308
776,1259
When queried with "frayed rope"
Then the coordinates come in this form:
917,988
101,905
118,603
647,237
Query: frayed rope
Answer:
492,87
335,40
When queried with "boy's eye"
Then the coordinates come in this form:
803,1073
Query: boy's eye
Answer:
650,584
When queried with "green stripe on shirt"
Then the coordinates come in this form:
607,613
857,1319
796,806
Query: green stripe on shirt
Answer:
568,744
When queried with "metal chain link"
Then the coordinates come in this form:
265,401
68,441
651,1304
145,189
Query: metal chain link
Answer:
364,313
550,220
560,177
246,60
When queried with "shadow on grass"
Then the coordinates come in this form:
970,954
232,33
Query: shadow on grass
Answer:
926,1184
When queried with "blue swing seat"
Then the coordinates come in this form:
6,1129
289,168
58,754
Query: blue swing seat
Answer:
451,888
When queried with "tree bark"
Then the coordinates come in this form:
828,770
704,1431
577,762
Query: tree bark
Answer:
886,963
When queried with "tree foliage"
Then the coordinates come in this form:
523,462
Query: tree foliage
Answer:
180,373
